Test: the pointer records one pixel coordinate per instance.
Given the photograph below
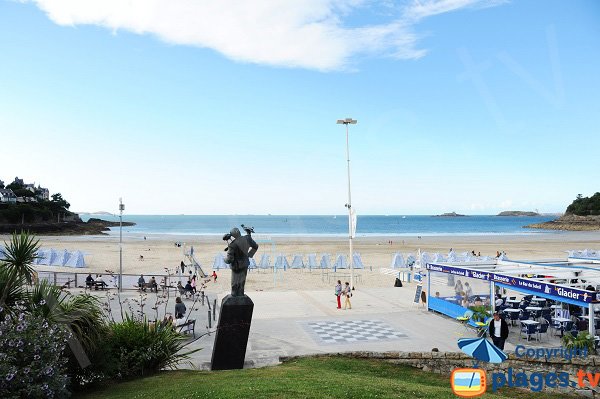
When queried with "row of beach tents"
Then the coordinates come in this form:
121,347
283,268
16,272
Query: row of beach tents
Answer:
311,261
585,253
53,257
400,261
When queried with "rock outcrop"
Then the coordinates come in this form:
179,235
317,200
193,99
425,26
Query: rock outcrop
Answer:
569,222
517,213
76,227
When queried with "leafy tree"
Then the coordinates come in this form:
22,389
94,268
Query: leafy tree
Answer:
584,206
23,192
58,200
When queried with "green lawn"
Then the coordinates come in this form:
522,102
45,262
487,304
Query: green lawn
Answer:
323,377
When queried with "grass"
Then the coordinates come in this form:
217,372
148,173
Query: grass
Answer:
320,377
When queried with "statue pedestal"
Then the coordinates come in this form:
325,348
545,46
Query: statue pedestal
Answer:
233,329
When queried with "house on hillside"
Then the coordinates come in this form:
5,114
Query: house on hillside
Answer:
7,196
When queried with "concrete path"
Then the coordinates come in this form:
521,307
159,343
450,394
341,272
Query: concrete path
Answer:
307,322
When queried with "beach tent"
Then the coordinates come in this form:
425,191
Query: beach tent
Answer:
340,262
61,258
486,258
452,256
252,264
425,258
410,260
397,261
438,258
312,261
76,259
48,257
265,261
357,261
281,262
325,262
297,262
219,262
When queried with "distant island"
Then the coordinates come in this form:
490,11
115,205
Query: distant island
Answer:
24,206
517,213
449,215
582,215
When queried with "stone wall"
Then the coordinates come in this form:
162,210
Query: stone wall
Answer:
444,362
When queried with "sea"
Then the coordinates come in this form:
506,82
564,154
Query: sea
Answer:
326,225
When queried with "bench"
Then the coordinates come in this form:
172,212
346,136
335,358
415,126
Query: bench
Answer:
145,286
189,325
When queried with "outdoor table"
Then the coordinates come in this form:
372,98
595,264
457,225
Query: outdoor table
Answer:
536,299
512,310
533,308
513,301
555,306
529,322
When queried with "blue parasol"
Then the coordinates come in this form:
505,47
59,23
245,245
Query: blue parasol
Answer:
481,349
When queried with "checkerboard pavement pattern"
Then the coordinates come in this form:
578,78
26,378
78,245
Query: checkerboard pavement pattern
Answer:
351,331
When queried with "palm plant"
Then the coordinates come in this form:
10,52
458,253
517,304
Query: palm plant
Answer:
16,269
19,254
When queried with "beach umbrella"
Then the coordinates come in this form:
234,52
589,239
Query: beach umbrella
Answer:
482,350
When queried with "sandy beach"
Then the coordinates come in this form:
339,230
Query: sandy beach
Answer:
160,252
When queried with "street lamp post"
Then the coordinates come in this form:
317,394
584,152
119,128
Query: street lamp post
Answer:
121,209
349,121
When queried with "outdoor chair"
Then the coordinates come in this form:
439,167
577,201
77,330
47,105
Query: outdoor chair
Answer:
529,330
464,319
514,316
542,328
582,325
524,315
536,314
527,297
567,326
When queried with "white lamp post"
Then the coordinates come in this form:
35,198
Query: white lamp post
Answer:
121,209
349,121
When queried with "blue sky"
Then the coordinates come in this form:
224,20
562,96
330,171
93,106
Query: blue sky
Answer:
206,108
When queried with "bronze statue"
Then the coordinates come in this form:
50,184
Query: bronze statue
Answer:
239,252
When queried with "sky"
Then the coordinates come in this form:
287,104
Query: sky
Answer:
230,107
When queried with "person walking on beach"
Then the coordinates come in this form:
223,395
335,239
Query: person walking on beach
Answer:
338,293
347,294
498,331
214,276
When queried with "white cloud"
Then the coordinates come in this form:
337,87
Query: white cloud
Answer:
308,34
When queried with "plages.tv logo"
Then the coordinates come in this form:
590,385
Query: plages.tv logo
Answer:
468,382
472,382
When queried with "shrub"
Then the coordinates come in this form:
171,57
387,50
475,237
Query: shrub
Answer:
31,361
139,348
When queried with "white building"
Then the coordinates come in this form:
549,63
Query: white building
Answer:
7,196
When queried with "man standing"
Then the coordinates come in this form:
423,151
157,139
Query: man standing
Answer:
238,256
498,331
142,282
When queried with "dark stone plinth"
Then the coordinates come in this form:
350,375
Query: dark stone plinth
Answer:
233,329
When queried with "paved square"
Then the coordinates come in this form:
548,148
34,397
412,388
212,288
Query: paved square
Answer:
351,331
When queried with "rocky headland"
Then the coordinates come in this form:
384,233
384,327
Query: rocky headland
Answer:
570,222
75,227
